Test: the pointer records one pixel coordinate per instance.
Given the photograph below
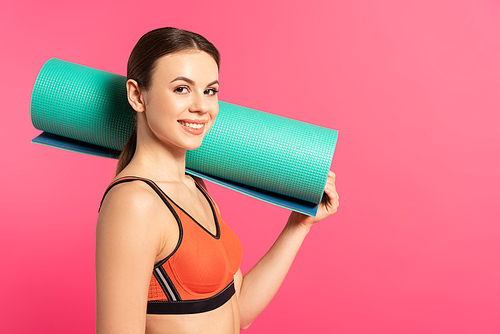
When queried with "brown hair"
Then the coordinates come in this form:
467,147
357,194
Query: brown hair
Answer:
142,61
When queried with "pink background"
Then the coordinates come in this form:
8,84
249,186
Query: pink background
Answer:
412,86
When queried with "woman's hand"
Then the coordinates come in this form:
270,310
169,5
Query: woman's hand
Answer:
328,206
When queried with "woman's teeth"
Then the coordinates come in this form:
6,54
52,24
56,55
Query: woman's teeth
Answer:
192,125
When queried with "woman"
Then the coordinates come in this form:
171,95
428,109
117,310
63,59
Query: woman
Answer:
165,260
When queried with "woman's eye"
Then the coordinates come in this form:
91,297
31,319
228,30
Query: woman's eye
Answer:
211,92
181,90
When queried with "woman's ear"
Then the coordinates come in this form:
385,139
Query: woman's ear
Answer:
134,96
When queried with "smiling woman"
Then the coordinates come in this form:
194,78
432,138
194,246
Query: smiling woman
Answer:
166,262
178,109
143,60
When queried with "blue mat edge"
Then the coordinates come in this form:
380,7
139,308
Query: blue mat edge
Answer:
61,142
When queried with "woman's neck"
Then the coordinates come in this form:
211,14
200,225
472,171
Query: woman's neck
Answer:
158,162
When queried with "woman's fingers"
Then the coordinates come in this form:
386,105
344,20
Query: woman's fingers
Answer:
332,202
333,196
329,201
330,184
332,193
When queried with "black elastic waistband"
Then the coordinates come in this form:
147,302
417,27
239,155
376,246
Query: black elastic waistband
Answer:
191,306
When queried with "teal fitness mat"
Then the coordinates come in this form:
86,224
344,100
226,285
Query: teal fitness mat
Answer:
276,159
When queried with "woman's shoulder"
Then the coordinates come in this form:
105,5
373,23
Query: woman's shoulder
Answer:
133,206
128,195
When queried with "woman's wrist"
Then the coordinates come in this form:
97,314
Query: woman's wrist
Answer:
297,222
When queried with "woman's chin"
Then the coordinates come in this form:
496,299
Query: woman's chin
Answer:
193,145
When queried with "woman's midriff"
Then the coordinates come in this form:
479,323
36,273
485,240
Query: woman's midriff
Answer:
222,320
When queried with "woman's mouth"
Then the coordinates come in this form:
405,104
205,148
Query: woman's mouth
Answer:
192,128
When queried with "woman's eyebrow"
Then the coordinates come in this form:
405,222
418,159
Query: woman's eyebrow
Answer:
213,83
191,82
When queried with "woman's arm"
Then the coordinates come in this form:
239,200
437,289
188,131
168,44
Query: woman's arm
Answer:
257,288
127,242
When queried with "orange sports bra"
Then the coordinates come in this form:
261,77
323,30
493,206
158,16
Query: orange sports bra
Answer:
198,275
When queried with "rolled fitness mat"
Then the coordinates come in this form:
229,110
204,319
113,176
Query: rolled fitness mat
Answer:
276,159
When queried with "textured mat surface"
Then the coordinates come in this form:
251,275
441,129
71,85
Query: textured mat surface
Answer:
273,158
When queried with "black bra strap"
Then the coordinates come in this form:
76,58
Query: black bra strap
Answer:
133,178
164,199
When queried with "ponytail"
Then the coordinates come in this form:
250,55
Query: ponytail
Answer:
127,152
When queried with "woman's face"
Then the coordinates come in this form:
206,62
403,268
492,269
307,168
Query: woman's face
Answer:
181,103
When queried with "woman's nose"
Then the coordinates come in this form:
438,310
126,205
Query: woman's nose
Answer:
199,104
